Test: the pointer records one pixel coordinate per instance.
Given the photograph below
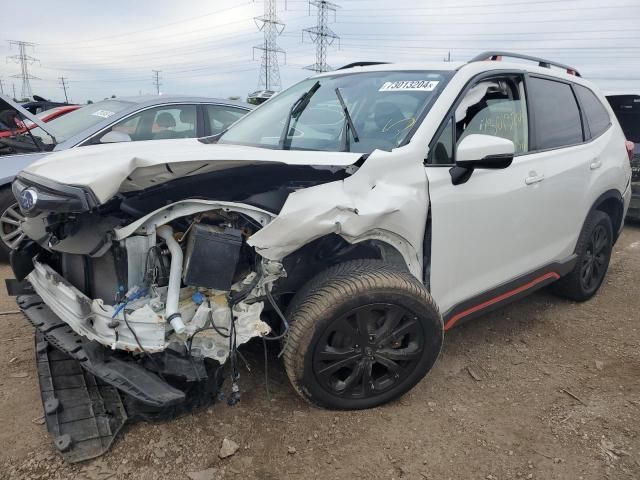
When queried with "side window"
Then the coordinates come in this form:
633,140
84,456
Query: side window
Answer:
171,121
597,116
556,115
442,151
174,122
221,117
496,107
128,126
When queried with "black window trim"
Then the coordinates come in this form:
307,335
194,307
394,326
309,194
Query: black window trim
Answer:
583,124
586,132
586,119
451,112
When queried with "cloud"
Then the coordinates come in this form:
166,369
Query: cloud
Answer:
204,48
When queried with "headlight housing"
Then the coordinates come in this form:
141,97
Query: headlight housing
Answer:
36,195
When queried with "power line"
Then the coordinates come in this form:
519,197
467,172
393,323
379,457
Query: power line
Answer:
156,80
137,31
272,27
483,5
419,12
24,60
321,34
63,84
457,21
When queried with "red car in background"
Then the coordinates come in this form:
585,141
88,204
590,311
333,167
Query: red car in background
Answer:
14,126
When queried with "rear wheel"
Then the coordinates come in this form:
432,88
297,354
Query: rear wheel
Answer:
11,234
594,252
362,333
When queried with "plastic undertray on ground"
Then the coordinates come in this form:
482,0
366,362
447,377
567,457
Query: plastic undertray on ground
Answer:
82,413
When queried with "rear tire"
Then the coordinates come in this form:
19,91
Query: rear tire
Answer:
362,333
11,234
594,252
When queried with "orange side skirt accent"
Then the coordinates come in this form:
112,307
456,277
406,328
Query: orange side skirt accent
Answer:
451,322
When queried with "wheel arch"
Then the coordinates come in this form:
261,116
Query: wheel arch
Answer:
331,249
611,203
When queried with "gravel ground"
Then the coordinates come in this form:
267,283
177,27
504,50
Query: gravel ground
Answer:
544,388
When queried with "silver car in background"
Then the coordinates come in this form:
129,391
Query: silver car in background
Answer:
109,121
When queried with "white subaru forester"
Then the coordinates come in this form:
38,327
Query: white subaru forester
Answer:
355,217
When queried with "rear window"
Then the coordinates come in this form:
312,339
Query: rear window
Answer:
556,115
597,116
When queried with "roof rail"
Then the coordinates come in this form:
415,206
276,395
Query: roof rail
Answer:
496,56
361,64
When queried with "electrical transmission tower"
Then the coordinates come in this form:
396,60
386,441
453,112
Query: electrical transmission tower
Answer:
321,34
271,26
156,80
24,60
63,84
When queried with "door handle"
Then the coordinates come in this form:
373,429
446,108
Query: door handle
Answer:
595,164
533,178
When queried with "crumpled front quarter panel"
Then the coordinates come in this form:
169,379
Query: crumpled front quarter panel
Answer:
386,199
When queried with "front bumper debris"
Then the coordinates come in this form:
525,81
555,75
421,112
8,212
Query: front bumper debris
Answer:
91,318
127,376
88,393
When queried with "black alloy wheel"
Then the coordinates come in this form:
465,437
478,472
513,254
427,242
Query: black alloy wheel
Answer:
596,258
362,333
368,351
593,252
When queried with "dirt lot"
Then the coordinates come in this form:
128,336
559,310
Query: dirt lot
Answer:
544,389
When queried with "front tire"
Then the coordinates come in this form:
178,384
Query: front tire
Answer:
594,252
11,234
362,333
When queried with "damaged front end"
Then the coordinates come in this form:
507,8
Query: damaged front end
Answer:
152,306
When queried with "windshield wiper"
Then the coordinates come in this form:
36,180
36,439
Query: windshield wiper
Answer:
296,109
349,127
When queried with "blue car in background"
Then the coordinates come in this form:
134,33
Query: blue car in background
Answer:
146,118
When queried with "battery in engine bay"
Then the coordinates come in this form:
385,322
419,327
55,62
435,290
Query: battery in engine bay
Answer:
211,256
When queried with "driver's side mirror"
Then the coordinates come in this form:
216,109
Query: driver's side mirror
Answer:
115,137
481,151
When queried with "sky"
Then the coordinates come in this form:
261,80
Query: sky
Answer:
205,47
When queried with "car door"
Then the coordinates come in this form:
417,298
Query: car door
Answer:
488,233
219,117
565,162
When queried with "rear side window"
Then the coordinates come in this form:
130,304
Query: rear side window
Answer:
221,117
556,114
597,116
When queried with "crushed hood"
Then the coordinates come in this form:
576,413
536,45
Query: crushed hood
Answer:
109,169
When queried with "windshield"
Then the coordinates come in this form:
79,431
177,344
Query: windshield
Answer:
384,106
66,126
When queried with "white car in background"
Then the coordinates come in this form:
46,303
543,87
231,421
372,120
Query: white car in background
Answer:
355,217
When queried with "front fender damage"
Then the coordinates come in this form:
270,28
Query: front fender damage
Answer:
386,200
